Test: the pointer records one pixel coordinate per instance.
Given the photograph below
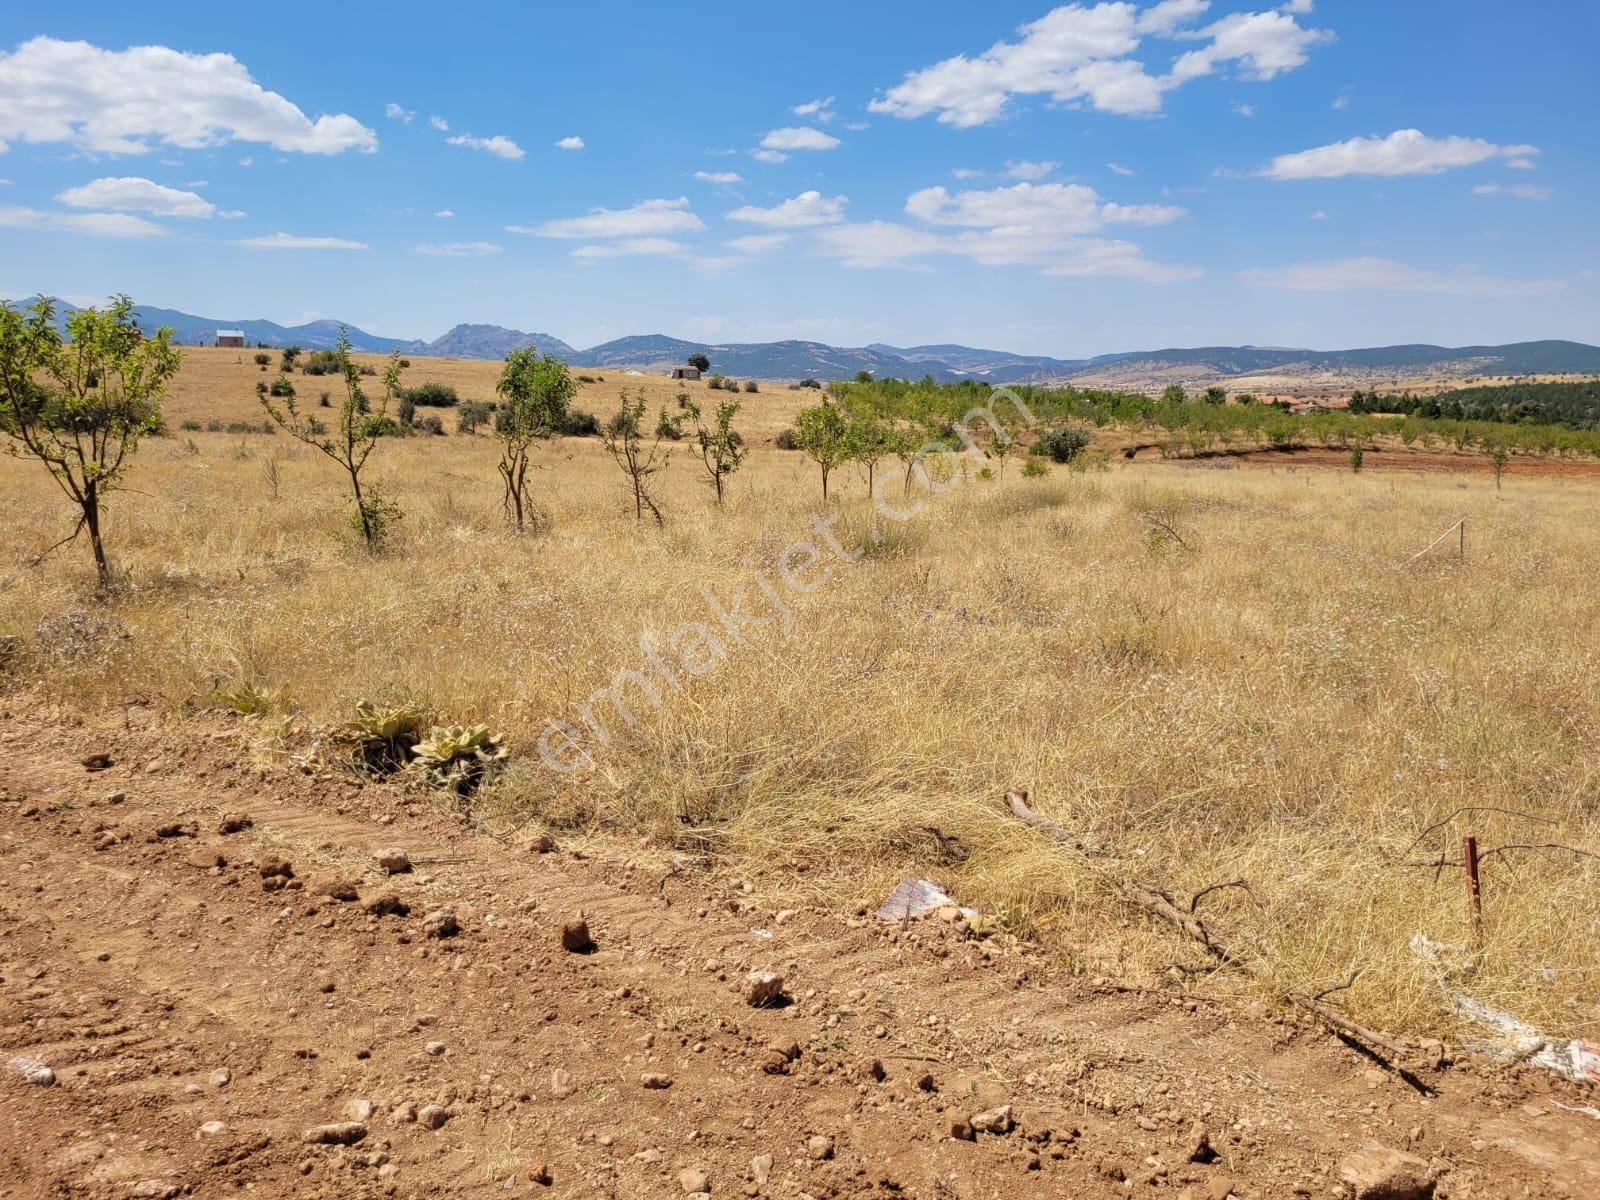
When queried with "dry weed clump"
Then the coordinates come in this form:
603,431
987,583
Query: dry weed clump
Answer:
1262,692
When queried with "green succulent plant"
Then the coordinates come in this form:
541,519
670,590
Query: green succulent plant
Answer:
456,757
382,736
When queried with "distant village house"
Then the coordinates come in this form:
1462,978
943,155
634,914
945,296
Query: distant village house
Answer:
686,372
232,339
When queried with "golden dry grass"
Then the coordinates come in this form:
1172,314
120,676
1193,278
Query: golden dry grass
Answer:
1284,701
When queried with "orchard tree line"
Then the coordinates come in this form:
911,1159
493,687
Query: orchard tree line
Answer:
1575,405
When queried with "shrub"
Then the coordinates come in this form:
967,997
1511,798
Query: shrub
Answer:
405,363
578,423
432,395
314,368
324,400
472,414
809,383
430,424
1062,445
1034,468
213,426
668,428
240,427
190,425
585,378
406,410
262,360
369,370
281,387
383,426
750,386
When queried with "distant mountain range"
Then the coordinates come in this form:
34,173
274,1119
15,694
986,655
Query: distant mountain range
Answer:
789,360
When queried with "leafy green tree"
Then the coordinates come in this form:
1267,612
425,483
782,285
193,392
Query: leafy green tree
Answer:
1215,395
623,438
289,354
81,406
1174,394
699,361
721,448
353,438
534,394
869,442
823,432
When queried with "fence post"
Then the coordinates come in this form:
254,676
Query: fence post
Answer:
1469,859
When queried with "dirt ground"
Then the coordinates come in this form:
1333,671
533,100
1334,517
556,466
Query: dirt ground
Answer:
199,1026
1425,462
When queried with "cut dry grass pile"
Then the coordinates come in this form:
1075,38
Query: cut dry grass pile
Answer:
1215,674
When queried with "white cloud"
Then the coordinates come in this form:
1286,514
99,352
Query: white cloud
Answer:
822,110
1080,53
1521,164
444,213
95,224
456,249
395,113
648,218
1029,170
758,243
967,173
722,178
1119,169
1245,110
1521,191
630,246
135,194
799,138
1045,209
1382,274
290,241
1298,7
499,145
1048,227
1319,215
439,123
117,102
570,143
1404,152
808,208
769,156
1341,102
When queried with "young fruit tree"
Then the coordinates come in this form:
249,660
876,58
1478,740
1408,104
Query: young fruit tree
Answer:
623,439
80,405
355,435
870,442
534,394
722,450
823,432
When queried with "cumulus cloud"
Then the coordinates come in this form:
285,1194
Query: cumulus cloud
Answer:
1118,169
291,241
769,156
395,113
808,208
967,173
1077,53
456,249
1383,274
1521,191
135,194
822,110
570,143
1049,227
95,224
444,213
799,138
1029,170
629,246
1404,152
499,145
647,219
439,123
722,178
120,101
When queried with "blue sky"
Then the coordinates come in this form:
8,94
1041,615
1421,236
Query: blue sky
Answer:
1071,180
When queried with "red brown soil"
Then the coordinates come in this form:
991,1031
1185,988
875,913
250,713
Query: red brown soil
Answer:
1430,462
137,970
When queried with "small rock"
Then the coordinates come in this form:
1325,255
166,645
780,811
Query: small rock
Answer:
220,1079
1375,1172
403,1114
693,1180
819,1148
539,1172
274,867
961,1129
441,923
575,937
1220,1188
360,1110
340,1133
393,861
234,823
761,988
176,829
388,1171
561,1083
1198,1144
542,844
207,860
434,1049
342,890
925,1082
387,904
432,1116
655,1081
116,797
32,1070
761,1168
874,1071
994,1120
211,1129
98,761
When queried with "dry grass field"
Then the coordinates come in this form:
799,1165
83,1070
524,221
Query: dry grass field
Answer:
1210,675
